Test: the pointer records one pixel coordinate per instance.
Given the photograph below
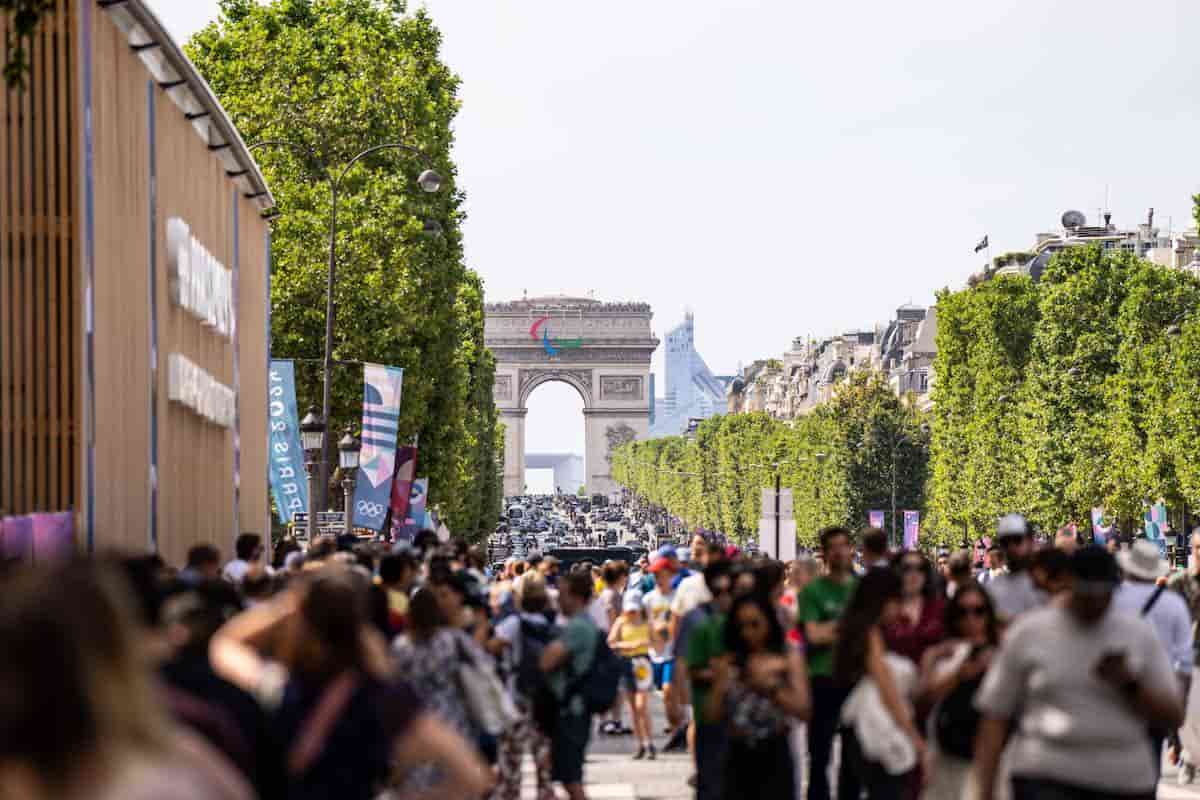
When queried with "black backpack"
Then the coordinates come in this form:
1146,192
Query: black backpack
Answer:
534,638
598,686
957,720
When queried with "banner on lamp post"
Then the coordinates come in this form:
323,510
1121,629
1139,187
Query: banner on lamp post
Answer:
289,482
912,529
377,460
417,516
406,468
875,519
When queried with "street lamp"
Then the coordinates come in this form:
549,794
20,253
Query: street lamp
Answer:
429,180
348,449
312,437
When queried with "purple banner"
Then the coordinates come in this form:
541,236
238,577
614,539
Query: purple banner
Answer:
875,519
38,538
912,529
406,469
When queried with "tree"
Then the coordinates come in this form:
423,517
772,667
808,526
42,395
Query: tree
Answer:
977,463
24,16
335,77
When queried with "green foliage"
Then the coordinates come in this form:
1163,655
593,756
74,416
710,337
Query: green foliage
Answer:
336,77
837,461
25,16
1055,398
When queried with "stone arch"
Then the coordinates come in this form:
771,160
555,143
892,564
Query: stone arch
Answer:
602,350
531,379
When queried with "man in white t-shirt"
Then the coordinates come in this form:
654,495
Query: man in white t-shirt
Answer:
1080,683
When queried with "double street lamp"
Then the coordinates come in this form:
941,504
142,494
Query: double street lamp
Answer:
430,182
348,450
312,437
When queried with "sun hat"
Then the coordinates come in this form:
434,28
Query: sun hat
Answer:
632,601
1143,561
1012,525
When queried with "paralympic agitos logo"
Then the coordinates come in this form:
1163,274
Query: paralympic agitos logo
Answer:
553,346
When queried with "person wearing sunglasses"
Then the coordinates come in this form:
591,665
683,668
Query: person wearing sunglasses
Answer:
950,676
758,688
919,624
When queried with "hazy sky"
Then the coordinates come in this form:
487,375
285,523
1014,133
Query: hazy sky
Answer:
786,168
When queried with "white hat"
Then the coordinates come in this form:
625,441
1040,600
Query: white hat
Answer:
1143,561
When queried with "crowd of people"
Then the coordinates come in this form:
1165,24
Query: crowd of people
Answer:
371,671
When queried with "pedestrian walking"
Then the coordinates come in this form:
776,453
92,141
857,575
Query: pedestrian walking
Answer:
951,674
880,739
705,645
919,625
1078,710
1144,593
630,639
567,661
821,607
1013,591
345,722
80,718
519,641
759,686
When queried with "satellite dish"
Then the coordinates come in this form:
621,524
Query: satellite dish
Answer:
1073,219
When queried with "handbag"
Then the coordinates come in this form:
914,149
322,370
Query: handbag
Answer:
488,702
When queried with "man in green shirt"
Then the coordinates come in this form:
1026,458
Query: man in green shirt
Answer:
705,644
564,660
821,605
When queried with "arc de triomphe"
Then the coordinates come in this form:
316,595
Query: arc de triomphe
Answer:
602,349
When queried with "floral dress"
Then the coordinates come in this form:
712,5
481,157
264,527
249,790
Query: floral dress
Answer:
431,667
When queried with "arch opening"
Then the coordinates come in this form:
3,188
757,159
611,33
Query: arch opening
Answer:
555,440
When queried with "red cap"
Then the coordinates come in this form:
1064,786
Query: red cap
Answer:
660,564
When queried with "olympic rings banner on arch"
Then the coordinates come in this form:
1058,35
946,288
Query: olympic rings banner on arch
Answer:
377,460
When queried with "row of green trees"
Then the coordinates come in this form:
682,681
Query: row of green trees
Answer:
1081,390
840,462
333,78
1076,392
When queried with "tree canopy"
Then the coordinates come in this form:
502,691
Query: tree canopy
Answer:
333,78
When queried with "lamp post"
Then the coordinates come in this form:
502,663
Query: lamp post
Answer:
429,181
348,449
312,436
901,439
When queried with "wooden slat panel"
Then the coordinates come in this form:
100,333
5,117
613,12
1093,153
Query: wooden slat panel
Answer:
52,407
36,378
7,417
71,334
121,316
25,261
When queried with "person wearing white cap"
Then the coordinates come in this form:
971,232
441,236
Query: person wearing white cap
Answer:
1014,592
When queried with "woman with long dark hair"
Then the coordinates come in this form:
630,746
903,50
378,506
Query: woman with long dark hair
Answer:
918,626
950,676
345,720
878,681
759,687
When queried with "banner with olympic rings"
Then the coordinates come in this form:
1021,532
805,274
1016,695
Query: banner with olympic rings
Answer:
377,460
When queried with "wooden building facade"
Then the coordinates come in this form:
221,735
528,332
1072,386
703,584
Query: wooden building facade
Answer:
134,302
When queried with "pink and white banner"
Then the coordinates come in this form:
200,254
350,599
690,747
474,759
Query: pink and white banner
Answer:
875,519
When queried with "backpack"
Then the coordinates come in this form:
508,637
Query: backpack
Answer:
534,638
598,686
957,720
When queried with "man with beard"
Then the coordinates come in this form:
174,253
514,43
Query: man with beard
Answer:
1014,592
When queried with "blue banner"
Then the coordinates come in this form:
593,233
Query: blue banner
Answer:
289,483
377,460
